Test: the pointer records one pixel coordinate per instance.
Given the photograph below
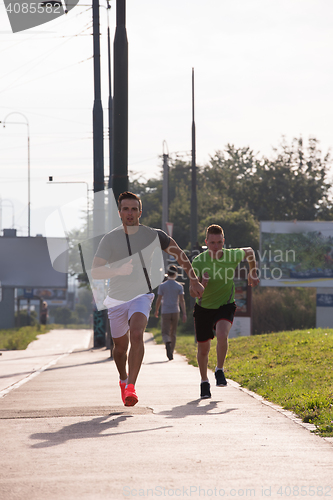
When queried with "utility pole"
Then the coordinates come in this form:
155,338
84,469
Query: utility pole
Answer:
194,218
165,190
110,194
120,104
98,213
165,198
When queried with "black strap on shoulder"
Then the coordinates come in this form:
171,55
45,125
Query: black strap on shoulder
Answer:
142,263
128,244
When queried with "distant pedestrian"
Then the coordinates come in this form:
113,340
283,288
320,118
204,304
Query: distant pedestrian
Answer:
214,311
44,312
170,295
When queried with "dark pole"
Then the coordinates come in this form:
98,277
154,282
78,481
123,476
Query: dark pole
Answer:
97,110
109,341
120,104
98,214
165,198
165,192
110,112
110,215
194,219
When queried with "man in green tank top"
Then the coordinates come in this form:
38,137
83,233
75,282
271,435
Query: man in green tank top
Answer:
214,311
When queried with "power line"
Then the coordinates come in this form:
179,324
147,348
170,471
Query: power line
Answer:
142,161
48,143
52,72
45,55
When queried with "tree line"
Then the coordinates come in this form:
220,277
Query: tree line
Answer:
238,188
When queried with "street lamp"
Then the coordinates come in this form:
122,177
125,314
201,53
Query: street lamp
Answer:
28,130
51,181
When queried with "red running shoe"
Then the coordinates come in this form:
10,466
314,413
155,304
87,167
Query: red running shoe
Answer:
122,386
130,396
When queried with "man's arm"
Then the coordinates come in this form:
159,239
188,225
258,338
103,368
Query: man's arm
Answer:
100,271
252,278
183,307
158,303
196,288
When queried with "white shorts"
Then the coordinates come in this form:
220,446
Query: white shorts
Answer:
120,316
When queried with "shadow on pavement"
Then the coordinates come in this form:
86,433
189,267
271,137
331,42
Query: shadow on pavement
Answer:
99,362
85,430
194,408
156,362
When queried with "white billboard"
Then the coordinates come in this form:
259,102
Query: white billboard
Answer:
25,262
298,253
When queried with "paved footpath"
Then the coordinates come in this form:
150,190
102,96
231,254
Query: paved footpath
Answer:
65,434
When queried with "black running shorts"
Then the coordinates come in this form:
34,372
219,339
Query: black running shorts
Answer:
205,320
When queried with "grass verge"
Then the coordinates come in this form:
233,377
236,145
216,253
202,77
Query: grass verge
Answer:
19,338
292,369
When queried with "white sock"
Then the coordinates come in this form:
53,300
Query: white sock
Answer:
216,369
202,381
123,381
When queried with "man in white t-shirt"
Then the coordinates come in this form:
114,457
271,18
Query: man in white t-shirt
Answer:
170,295
124,257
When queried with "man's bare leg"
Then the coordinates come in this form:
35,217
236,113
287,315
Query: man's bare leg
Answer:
222,332
138,323
202,357
120,354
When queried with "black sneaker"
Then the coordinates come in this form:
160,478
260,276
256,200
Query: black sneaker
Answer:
220,378
169,350
205,390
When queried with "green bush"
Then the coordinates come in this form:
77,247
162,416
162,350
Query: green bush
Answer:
80,314
22,318
63,315
19,338
279,309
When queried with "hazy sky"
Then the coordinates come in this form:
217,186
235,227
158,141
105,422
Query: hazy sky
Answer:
263,69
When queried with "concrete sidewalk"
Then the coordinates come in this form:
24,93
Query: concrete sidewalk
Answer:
18,367
66,435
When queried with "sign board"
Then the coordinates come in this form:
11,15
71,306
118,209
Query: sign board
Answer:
25,263
241,327
242,297
53,296
324,308
296,253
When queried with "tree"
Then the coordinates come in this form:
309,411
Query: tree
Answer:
241,229
293,184
236,189
81,314
63,315
229,174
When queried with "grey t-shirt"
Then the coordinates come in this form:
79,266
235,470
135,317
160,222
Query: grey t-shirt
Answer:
170,291
144,248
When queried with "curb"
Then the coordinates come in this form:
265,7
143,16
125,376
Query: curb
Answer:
286,413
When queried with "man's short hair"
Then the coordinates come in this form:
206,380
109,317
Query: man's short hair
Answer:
214,229
172,270
127,195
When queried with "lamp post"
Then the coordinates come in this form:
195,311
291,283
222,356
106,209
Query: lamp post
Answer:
51,181
120,103
28,130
